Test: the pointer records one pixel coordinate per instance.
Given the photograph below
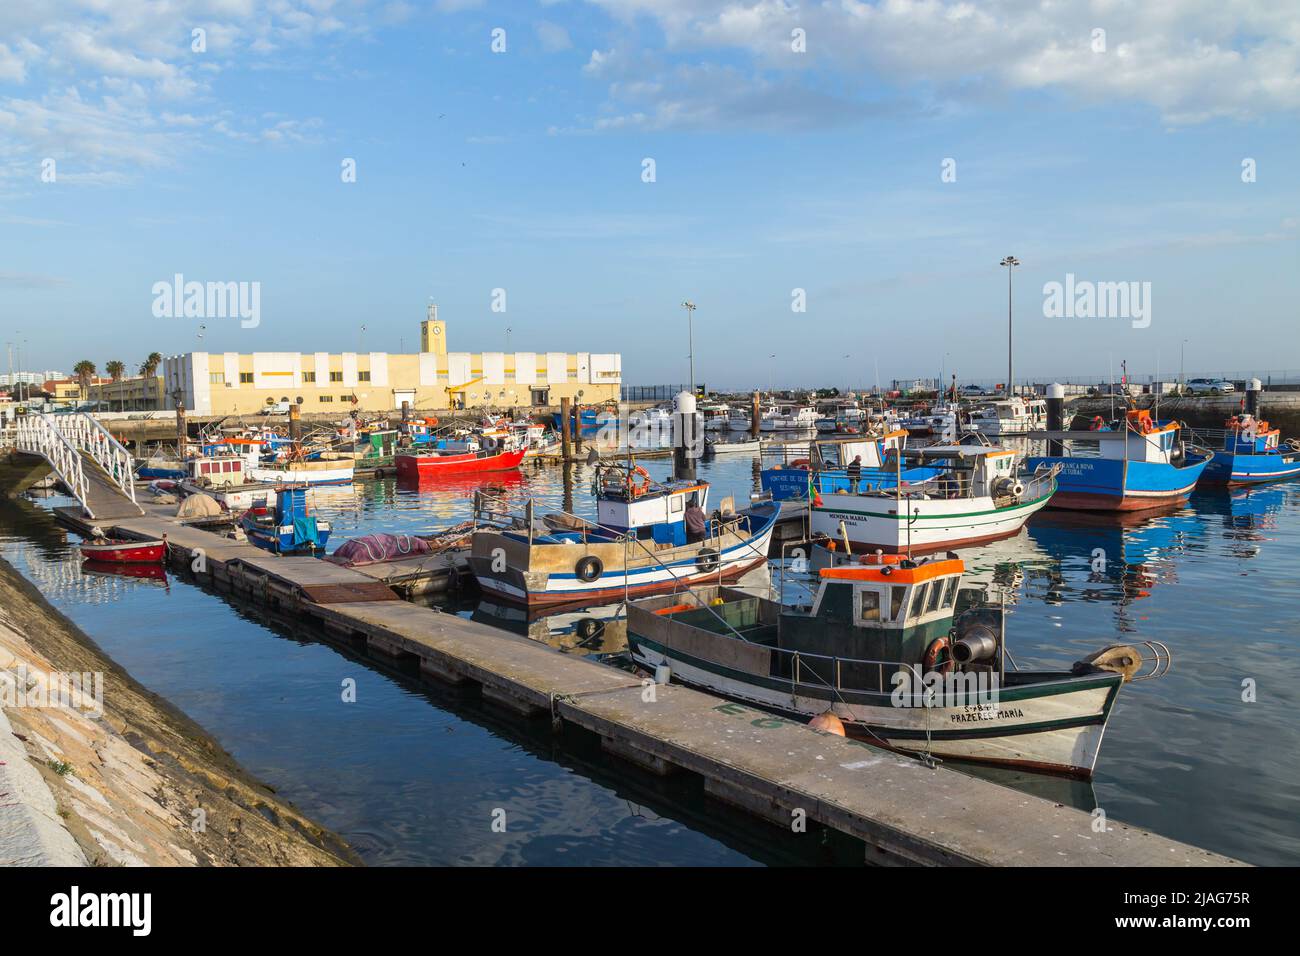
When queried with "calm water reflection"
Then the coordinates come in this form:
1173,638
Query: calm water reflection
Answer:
412,774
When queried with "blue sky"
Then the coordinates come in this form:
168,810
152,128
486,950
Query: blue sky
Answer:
775,170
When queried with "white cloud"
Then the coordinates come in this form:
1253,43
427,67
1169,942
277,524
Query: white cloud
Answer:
1192,60
553,37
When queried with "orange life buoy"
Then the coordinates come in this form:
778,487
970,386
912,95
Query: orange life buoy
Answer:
932,652
801,463
637,489
1097,422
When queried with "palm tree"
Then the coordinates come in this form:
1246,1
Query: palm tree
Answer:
149,367
115,370
85,371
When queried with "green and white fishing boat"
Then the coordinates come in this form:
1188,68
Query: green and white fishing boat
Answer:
896,653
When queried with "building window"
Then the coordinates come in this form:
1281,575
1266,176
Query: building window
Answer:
541,396
216,378
309,376
336,376
327,398
345,398
363,376
245,378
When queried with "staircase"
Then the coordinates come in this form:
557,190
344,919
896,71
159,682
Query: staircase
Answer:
88,460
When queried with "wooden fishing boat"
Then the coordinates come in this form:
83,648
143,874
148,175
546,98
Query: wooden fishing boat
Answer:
423,466
1249,452
901,655
287,527
119,551
638,544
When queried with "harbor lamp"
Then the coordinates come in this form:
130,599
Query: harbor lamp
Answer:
690,335
1010,262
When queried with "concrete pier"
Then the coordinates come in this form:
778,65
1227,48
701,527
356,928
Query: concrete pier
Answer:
777,769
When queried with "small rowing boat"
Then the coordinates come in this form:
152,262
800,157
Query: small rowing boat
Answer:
117,551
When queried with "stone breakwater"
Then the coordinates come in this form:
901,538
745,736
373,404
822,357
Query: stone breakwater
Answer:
114,775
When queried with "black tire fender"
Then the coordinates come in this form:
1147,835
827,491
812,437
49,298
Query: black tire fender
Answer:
589,569
708,559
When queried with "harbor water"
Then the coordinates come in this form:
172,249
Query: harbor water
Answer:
415,773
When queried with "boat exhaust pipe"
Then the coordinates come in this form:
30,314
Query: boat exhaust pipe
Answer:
979,643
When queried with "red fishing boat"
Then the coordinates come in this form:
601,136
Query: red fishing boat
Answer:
423,466
113,551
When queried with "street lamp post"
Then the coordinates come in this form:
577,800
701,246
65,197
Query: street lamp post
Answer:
1182,355
690,337
1010,262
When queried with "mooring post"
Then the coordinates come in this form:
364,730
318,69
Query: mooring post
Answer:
182,438
754,406
566,442
1253,389
295,423
1055,416
688,439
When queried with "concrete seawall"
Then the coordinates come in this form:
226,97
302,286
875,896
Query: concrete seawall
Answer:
139,785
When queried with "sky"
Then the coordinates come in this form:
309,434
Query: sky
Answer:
833,184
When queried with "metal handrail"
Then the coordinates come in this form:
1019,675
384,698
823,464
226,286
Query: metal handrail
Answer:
89,435
39,435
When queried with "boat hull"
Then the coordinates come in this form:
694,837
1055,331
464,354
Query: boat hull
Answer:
1054,726
942,524
522,581
1105,484
1229,468
340,475
126,552
425,467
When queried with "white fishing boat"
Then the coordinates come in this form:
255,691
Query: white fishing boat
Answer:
749,446
716,416
225,478
786,418
322,471
1012,416
977,495
894,652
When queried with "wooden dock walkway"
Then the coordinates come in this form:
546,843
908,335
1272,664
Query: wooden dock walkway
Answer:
783,771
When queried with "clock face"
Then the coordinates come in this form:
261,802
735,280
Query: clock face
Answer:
437,330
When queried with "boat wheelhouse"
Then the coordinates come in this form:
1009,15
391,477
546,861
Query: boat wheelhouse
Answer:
638,543
1012,416
831,458
226,479
786,418
1142,464
973,494
902,654
286,527
1248,452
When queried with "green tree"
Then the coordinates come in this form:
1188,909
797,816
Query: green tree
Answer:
85,371
116,370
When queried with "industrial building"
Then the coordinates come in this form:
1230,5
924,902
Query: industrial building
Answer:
231,383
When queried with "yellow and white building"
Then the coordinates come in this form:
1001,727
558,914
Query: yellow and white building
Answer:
231,383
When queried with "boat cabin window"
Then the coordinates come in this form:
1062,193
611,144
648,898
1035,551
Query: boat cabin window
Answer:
869,605
918,600
950,594
675,503
936,592
896,595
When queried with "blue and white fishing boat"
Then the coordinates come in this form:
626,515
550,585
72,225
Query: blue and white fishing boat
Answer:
637,545
287,527
1142,464
1251,452
830,458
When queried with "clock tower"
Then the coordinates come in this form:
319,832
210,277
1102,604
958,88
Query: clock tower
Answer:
433,334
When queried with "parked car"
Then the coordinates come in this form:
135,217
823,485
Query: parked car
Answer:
1209,386
974,390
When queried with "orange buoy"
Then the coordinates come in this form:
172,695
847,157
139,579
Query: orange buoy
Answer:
828,723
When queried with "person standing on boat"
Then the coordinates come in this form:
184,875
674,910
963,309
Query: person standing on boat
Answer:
696,522
854,473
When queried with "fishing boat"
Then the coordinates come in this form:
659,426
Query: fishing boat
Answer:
1249,452
170,469
791,477
751,446
427,465
224,478
121,551
787,418
973,494
1140,464
334,470
901,655
1012,416
638,543
716,416
287,527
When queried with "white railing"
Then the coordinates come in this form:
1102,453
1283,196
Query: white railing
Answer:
38,435
93,438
